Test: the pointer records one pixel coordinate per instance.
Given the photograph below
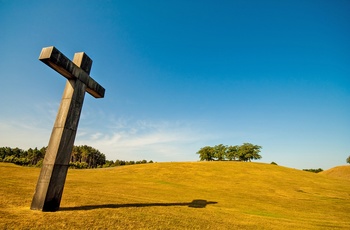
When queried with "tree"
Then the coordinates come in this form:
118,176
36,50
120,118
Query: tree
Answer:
206,153
76,154
87,154
248,152
232,152
34,156
220,152
348,160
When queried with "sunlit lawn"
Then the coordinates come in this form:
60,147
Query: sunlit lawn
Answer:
201,195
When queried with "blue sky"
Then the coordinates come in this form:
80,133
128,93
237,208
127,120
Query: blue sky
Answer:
180,75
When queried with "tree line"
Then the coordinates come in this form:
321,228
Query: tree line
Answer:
30,157
314,170
244,152
81,157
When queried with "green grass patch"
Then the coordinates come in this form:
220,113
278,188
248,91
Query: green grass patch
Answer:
199,195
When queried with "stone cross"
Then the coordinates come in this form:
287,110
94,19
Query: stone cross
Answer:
49,189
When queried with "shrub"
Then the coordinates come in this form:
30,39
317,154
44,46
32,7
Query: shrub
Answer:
78,165
313,170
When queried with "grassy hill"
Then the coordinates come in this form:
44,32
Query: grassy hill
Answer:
200,195
341,172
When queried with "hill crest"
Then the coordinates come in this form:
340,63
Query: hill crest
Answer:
342,172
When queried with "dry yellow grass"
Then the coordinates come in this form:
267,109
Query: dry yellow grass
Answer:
341,172
230,195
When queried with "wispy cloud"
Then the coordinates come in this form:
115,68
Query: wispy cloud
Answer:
142,139
117,137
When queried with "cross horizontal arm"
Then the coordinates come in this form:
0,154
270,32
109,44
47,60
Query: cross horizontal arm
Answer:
56,60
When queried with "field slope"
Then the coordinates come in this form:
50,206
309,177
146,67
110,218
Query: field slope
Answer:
341,172
200,195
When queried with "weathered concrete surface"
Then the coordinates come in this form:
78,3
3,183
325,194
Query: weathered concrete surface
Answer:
56,60
49,189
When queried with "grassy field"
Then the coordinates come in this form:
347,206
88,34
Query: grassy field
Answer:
200,195
342,172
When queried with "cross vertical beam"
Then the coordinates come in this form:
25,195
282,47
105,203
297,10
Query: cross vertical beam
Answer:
49,189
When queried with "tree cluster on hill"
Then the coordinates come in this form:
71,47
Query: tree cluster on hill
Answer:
244,152
348,160
81,157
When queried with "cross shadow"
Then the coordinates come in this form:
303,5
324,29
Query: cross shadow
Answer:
193,204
